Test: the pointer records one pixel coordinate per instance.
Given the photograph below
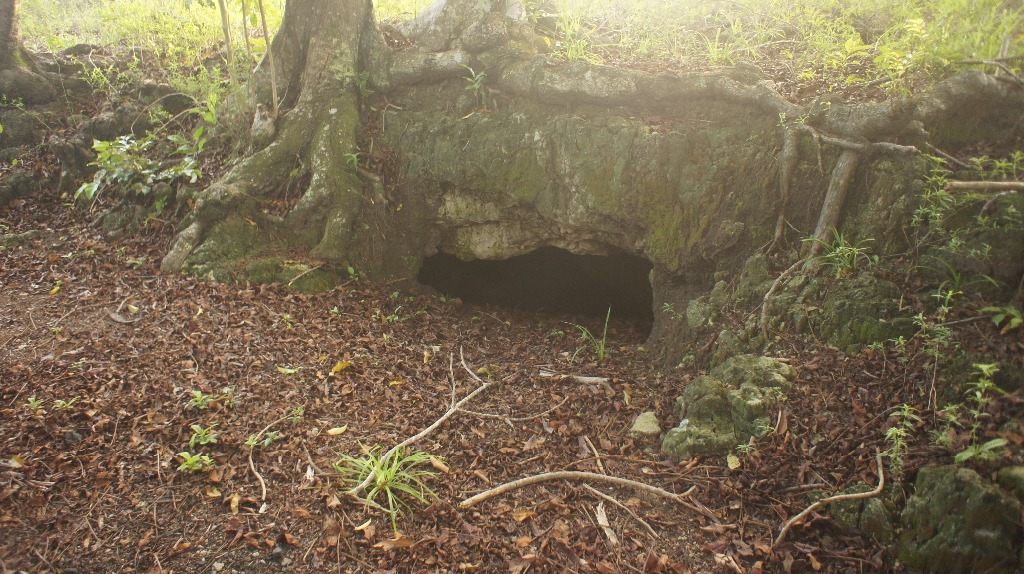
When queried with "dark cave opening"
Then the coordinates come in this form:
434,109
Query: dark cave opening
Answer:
549,280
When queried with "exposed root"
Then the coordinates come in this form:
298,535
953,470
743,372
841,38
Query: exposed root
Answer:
837,498
789,157
589,476
832,208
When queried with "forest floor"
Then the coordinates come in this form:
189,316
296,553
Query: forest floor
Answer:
105,364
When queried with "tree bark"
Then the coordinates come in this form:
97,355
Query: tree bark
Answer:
10,38
20,77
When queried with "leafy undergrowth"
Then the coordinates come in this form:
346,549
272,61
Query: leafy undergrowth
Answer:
111,372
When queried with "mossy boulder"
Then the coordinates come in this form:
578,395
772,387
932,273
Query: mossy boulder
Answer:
729,406
875,517
861,311
956,521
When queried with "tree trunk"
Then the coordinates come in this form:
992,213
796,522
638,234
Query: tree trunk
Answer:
10,39
20,77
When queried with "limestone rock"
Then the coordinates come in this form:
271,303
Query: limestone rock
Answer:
729,406
646,425
958,522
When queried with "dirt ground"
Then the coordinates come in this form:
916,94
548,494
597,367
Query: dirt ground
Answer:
105,365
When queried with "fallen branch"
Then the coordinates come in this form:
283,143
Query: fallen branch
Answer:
837,498
582,379
514,419
356,490
589,476
629,510
985,185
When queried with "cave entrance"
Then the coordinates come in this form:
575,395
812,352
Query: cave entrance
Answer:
550,280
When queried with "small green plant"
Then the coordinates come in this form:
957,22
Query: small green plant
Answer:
192,463
475,84
746,449
841,256
898,435
199,400
979,396
61,404
396,478
1011,316
296,413
268,438
670,310
353,275
352,159
33,404
202,436
599,346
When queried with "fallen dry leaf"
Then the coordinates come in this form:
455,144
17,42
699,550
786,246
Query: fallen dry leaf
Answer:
399,541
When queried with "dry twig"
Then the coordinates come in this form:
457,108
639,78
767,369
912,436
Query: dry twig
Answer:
629,510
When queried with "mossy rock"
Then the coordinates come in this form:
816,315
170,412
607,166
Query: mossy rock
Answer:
956,521
861,311
729,406
875,517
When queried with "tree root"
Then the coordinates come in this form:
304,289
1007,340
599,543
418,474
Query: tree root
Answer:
837,498
589,476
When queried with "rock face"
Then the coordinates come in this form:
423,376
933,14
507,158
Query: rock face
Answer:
956,521
727,407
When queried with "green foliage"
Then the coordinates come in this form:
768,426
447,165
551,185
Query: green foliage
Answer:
62,404
599,346
972,414
841,256
192,463
1010,315
268,438
33,404
670,309
475,84
127,164
396,478
898,435
202,436
172,39
826,45
200,400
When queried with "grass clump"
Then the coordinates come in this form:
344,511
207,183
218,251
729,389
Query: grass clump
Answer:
397,479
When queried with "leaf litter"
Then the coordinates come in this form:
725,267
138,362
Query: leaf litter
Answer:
93,411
